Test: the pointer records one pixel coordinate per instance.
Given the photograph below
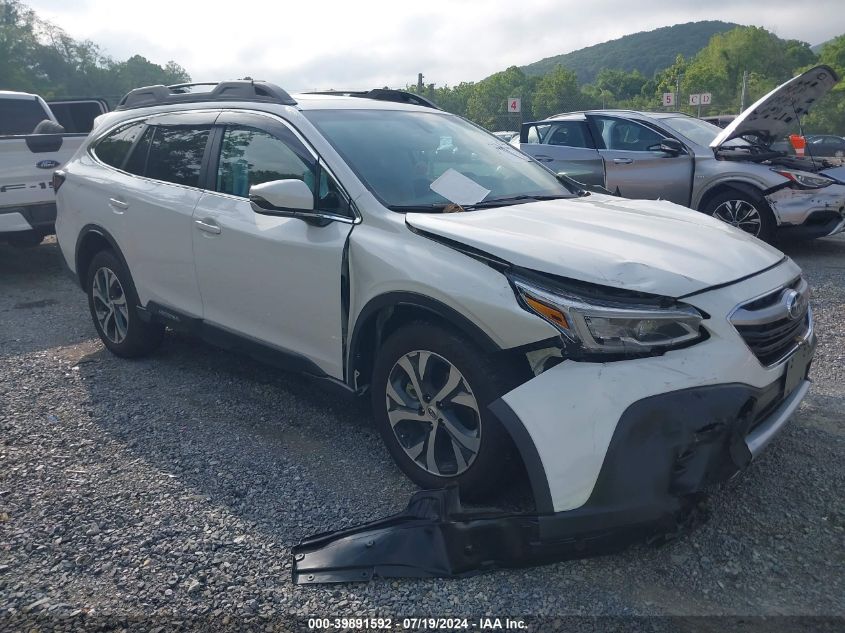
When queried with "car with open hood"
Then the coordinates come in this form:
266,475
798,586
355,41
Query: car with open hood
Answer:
736,174
625,354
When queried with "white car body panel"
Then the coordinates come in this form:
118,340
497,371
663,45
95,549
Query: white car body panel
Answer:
274,279
647,246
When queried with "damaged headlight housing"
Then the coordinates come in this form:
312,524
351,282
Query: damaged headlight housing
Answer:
610,327
804,180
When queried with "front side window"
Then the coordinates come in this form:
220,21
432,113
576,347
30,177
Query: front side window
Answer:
176,154
113,148
249,156
397,154
619,134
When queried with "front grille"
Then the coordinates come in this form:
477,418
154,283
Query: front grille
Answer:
768,328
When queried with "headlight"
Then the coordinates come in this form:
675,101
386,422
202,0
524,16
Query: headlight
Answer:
608,327
804,180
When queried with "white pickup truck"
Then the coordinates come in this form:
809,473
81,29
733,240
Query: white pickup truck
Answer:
32,145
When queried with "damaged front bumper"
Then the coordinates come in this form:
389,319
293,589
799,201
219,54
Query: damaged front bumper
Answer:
666,449
809,213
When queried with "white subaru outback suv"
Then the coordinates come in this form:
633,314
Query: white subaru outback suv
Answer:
628,353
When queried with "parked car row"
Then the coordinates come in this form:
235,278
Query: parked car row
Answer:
735,174
400,253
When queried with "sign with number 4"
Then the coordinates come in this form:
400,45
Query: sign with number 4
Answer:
514,104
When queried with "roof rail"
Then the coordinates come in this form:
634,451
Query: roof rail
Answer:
382,94
241,90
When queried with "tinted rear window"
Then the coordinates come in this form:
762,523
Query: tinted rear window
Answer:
137,161
113,148
176,155
77,117
20,116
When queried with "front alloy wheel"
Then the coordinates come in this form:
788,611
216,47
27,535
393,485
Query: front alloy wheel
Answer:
741,214
110,307
433,413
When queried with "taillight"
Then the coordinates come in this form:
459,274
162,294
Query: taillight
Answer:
58,179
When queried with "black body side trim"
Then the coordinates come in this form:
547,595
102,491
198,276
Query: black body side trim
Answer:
90,229
396,299
528,451
233,341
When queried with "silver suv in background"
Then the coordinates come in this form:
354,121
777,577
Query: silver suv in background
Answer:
733,174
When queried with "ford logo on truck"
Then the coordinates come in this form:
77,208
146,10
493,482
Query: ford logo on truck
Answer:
47,164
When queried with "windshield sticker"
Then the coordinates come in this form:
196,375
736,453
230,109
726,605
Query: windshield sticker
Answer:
457,188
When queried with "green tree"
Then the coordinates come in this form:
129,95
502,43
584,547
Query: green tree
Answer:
829,114
556,92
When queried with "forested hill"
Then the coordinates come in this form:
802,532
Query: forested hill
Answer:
646,51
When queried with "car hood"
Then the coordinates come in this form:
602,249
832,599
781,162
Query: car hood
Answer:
774,115
648,246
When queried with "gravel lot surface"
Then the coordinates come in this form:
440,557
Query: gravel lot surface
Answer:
175,486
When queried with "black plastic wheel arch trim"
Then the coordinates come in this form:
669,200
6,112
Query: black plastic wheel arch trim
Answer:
416,300
87,230
528,452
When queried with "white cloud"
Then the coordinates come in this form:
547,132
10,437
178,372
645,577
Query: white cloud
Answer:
341,44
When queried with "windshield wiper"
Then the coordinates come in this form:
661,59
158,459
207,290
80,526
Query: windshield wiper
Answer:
498,202
418,208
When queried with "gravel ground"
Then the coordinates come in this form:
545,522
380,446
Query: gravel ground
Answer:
175,486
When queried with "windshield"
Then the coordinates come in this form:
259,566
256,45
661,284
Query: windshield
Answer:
398,154
696,130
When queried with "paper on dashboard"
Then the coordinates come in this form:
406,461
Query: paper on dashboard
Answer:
457,188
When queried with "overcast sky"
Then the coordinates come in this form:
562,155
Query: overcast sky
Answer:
320,44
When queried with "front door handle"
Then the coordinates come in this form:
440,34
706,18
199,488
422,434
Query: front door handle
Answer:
623,161
208,226
118,206
544,159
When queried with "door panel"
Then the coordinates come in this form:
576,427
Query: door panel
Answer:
159,209
567,148
271,278
633,170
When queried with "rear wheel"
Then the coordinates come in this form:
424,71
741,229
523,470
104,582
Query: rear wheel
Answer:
114,309
748,212
430,392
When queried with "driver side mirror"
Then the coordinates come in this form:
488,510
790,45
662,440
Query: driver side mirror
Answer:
290,198
670,146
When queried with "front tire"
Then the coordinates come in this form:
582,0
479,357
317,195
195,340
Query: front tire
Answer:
430,392
747,212
114,308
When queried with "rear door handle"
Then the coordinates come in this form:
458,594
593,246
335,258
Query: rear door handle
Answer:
545,159
119,206
623,161
208,226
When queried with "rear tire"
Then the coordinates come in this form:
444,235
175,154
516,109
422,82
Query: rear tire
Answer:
114,308
446,434
747,212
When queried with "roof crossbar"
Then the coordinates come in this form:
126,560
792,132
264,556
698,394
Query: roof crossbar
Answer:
241,90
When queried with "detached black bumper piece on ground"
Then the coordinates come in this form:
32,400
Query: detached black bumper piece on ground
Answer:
436,537
666,450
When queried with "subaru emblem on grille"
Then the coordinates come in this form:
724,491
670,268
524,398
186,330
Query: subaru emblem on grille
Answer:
795,304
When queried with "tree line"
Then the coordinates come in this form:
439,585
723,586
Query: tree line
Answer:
718,69
37,56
